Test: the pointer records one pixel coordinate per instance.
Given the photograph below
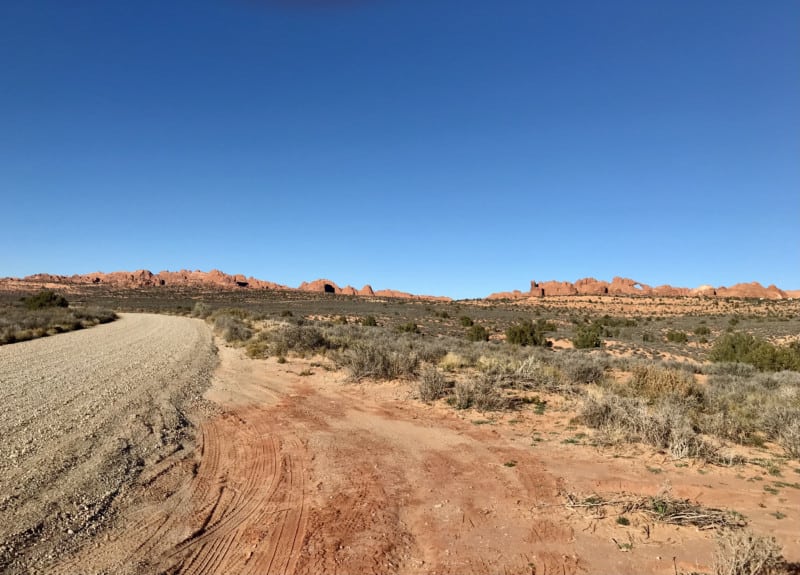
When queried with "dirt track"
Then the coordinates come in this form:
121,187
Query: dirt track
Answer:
307,474
83,414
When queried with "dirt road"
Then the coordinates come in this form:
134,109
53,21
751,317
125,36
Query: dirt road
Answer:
82,414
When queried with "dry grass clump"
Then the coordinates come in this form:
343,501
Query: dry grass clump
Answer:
666,425
744,553
655,382
582,368
376,360
481,393
789,439
453,361
432,384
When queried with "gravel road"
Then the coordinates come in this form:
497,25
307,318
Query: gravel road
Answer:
82,414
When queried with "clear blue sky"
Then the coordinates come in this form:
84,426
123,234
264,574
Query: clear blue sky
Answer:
449,147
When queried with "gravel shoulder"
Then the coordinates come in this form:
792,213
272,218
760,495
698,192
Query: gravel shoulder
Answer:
83,414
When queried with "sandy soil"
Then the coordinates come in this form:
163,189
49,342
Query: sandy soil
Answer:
298,471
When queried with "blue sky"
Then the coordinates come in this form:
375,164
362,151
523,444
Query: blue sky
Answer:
448,147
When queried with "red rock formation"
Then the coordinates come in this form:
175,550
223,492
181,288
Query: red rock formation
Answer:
516,294
552,288
629,287
751,290
590,286
214,279
321,286
669,291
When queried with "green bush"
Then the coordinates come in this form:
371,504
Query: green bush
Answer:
45,299
677,336
745,348
527,333
702,330
587,336
477,333
369,321
466,321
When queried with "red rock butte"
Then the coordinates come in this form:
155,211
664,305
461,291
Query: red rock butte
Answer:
212,279
629,287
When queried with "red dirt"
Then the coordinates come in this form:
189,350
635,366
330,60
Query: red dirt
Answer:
309,474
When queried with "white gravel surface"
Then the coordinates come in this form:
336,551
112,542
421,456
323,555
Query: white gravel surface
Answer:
81,414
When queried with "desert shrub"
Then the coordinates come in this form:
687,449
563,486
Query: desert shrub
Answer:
665,425
654,382
729,368
18,323
93,315
745,348
529,372
231,328
300,339
789,438
201,310
429,351
369,321
462,395
702,330
432,384
740,552
582,368
677,336
477,333
45,299
753,408
609,321
466,321
587,336
376,360
533,373
481,393
527,333
409,327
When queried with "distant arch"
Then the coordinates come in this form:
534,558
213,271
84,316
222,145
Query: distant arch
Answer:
328,288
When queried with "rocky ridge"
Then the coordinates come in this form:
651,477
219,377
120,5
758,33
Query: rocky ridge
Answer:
197,278
626,286
221,280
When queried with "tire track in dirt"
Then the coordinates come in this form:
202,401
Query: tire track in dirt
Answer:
243,512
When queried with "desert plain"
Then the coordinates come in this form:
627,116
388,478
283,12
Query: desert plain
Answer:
228,426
